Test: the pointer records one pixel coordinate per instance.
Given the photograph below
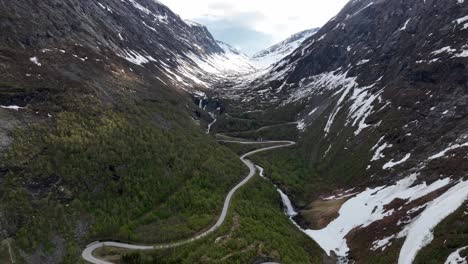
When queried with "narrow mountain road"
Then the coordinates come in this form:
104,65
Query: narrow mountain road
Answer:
87,254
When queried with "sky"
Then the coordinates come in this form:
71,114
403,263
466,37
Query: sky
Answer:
252,25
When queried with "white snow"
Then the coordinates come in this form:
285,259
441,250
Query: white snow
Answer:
362,62
162,18
361,98
462,54
419,233
192,23
455,257
361,108
105,7
405,25
35,60
392,163
444,152
11,107
313,111
227,63
274,54
382,243
135,57
447,49
461,20
301,125
378,154
140,7
370,207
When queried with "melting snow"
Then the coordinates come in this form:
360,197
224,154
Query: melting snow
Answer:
455,257
35,60
419,233
105,7
379,149
361,97
370,205
447,49
362,107
266,58
461,20
139,7
444,152
362,62
383,243
462,54
392,163
11,107
135,57
301,125
405,25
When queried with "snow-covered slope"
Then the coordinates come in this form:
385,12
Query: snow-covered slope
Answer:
229,62
273,54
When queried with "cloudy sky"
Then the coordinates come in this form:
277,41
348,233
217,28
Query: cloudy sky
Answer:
252,25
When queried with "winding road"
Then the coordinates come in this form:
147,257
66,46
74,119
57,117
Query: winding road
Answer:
87,254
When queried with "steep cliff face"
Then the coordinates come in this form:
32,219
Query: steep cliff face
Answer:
380,94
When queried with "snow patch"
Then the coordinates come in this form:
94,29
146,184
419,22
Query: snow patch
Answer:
405,25
455,257
392,163
444,152
447,49
11,107
370,205
135,57
378,154
382,243
35,60
419,233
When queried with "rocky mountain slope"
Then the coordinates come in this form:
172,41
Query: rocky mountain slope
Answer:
380,95
275,53
99,130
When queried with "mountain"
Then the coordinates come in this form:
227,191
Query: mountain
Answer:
100,133
380,96
275,53
103,115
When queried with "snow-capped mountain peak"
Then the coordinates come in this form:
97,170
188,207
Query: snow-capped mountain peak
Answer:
275,53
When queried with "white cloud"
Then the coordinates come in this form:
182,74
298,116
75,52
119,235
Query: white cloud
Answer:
278,19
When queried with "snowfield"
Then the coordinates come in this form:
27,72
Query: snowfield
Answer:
370,205
419,233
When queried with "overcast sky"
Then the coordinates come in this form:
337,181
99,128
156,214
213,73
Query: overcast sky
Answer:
252,25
